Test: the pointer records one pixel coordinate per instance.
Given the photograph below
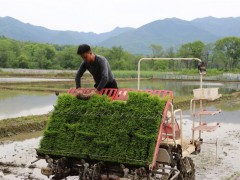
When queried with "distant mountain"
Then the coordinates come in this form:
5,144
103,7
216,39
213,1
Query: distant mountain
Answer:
18,30
169,32
219,26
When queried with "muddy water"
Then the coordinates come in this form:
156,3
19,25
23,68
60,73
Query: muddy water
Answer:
16,104
210,164
219,161
180,88
16,159
219,157
14,79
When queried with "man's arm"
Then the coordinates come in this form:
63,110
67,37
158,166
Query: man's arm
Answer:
79,74
104,75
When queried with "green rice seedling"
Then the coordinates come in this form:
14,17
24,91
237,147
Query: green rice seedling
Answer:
105,130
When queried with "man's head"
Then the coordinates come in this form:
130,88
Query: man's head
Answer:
86,53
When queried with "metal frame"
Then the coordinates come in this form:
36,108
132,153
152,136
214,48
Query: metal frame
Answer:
159,138
169,104
181,135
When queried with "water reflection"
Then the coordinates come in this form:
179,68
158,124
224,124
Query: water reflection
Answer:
23,105
14,79
180,88
223,117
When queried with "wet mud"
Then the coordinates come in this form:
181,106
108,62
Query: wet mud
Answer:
216,161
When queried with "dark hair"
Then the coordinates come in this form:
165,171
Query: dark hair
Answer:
83,48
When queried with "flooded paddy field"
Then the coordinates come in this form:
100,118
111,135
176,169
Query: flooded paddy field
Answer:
219,161
214,162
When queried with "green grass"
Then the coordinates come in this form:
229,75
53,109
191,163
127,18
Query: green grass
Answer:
5,93
36,75
27,87
210,72
134,74
13,126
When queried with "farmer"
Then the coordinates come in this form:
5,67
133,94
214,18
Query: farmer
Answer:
98,66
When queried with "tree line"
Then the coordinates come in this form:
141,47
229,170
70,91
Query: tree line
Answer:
223,55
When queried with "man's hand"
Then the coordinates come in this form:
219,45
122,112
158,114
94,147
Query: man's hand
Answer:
85,95
96,91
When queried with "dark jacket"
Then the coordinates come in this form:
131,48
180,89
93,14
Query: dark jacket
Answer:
100,70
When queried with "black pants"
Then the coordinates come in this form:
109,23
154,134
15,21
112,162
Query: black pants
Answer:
112,84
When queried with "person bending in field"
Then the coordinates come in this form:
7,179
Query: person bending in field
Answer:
98,66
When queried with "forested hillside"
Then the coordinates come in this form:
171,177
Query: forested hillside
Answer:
223,55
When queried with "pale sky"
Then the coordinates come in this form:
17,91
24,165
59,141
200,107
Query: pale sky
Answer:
104,15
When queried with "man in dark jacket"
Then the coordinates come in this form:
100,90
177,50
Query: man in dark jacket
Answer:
98,66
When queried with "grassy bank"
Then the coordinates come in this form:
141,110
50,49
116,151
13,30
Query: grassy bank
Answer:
159,73
14,126
38,86
156,73
37,75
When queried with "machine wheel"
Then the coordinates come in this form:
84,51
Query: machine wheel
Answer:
186,168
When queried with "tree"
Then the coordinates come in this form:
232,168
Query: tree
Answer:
121,65
68,58
50,52
3,59
171,54
8,52
22,61
157,51
161,65
208,54
228,49
219,60
115,57
39,57
191,50
115,54
197,49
